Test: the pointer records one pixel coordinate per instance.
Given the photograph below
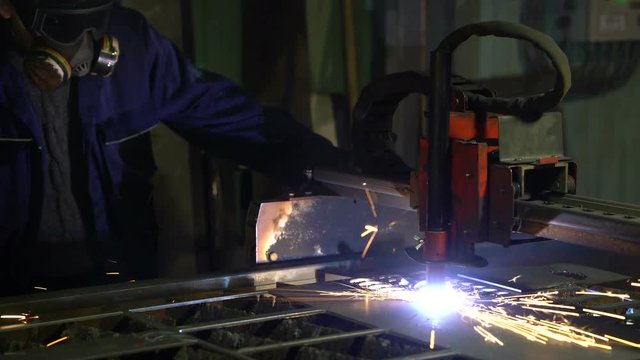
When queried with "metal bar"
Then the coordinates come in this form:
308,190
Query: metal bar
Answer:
581,225
317,340
432,355
438,134
595,204
147,320
197,302
244,321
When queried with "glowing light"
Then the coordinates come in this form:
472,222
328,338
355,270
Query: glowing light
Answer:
635,284
358,280
432,340
40,288
113,273
55,342
13,317
604,313
438,300
271,222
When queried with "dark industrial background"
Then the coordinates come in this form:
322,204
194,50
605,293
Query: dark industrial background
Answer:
312,57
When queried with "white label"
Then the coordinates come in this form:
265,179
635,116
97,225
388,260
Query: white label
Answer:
612,23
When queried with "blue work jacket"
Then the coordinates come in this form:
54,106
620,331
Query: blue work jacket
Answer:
152,83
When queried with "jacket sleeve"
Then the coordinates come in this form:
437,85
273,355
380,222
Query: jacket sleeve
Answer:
217,116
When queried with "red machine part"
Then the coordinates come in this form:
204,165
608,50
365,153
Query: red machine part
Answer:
472,140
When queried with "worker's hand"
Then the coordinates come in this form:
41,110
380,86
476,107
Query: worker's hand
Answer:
6,9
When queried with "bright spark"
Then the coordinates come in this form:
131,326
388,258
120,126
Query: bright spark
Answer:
607,294
55,342
635,284
515,278
369,229
550,311
372,203
13,317
113,273
623,341
545,323
487,335
604,313
432,340
40,288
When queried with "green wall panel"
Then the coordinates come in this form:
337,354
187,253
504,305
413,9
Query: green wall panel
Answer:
326,46
218,36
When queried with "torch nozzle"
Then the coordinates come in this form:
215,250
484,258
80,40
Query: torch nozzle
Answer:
435,274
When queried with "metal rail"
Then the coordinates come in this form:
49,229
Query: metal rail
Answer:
249,320
584,221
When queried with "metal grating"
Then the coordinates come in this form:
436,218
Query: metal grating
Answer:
244,326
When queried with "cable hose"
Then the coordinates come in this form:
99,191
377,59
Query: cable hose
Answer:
528,105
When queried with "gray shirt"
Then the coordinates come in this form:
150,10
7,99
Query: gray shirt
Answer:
61,246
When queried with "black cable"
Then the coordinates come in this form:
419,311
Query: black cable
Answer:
439,104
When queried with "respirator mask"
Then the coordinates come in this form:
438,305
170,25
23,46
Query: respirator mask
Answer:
70,39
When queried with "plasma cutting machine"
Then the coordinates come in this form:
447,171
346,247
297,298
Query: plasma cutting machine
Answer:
487,166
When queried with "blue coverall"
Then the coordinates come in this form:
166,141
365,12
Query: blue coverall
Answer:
153,83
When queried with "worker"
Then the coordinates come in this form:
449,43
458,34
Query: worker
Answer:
81,84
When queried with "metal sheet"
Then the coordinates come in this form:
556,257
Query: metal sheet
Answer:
324,226
526,141
580,225
456,333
